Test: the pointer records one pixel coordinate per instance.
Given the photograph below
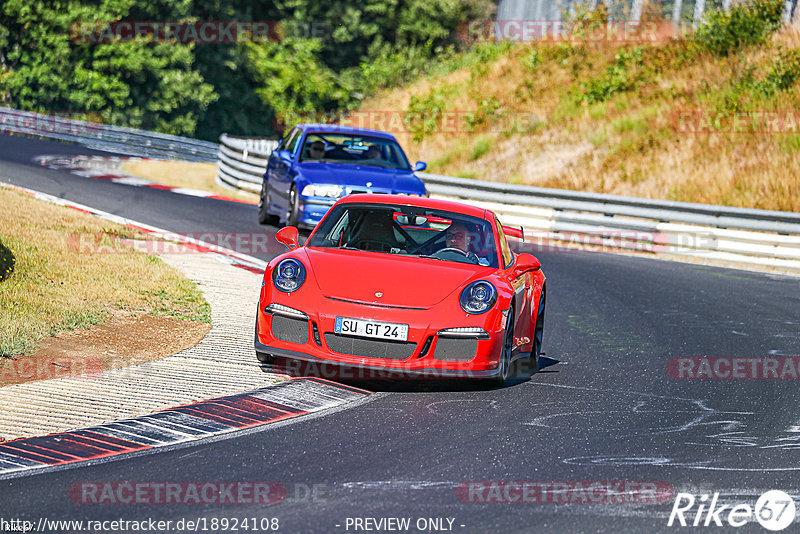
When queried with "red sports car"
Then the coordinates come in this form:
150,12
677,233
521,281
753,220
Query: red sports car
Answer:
420,286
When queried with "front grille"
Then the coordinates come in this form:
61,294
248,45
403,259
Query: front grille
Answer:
289,329
452,349
370,348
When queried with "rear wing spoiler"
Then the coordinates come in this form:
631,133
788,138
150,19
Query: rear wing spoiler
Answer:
514,231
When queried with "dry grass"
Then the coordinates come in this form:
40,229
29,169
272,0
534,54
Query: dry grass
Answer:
542,134
192,175
58,285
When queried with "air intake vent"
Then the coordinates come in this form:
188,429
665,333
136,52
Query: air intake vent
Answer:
370,348
288,329
452,349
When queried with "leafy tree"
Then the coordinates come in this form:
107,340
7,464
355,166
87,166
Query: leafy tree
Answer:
335,53
330,55
50,64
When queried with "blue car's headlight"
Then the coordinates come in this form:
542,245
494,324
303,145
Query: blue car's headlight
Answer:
289,275
478,297
323,190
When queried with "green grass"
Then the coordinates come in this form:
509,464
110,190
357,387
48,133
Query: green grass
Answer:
72,270
481,147
598,138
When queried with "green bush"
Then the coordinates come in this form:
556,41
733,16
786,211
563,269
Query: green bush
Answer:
746,24
424,114
533,60
620,76
783,74
393,67
7,262
487,109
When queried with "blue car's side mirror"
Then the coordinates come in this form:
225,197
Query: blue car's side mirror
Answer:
420,166
285,155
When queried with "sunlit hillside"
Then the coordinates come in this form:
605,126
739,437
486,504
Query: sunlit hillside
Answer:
711,117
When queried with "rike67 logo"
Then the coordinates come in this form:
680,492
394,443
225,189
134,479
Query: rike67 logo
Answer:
774,510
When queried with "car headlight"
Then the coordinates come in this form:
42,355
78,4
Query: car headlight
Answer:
323,190
288,275
478,297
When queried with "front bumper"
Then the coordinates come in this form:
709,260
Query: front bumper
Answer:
383,372
311,210
428,353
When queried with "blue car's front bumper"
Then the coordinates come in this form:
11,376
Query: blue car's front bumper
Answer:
312,209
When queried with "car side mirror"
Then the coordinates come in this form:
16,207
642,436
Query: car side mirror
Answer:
420,166
288,236
525,263
285,155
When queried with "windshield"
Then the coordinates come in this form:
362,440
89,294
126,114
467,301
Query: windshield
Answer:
408,231
353,149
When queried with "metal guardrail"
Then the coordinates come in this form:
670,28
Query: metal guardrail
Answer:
242,162
562,219
105,137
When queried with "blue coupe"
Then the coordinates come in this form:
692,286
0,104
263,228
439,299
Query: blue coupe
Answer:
316,164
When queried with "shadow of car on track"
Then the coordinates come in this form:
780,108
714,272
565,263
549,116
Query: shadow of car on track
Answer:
391,381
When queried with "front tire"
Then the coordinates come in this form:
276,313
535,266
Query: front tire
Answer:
293,214
264,217
263,357
504,365
538,333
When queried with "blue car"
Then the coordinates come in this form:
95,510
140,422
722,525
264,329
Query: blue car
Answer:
316,164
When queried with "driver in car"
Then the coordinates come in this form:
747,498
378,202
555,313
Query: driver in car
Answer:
316,150
459,237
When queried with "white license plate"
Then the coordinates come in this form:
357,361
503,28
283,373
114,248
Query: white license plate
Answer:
361,327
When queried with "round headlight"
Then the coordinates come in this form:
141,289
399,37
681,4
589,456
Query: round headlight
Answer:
478,297
289,275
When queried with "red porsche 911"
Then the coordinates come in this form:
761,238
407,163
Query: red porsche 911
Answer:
428,288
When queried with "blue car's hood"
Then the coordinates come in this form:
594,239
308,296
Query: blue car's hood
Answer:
361,177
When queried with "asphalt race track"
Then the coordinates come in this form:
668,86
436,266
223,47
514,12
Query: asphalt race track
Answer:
603,410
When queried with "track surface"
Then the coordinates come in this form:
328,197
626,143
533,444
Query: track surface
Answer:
603,410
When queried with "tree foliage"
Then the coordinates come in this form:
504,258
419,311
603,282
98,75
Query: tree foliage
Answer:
47,68
329,56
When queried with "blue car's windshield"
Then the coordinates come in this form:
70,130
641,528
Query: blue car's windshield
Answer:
353,149
406,230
